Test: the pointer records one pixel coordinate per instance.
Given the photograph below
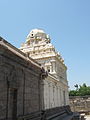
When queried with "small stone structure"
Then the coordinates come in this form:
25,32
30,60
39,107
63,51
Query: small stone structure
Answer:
80,103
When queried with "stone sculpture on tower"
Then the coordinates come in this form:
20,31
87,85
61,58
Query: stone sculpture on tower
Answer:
55,87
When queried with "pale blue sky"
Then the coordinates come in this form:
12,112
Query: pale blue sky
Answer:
66,21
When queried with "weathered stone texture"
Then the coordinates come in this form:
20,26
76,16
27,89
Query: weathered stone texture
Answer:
80,103
19,84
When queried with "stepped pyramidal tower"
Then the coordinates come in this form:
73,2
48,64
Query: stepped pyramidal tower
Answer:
55,87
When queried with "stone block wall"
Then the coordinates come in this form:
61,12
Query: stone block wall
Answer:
19,83
80,103
55,93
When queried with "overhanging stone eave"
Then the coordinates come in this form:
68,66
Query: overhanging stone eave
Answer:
43,57
16,51
55,80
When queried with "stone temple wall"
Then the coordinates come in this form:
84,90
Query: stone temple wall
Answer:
19,83
55,93
80,103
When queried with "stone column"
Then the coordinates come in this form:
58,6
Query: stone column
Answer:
49,97
67,97
50,68
53,96
54,66
45,95
58,97
61,97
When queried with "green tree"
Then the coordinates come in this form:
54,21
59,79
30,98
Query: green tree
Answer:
82,90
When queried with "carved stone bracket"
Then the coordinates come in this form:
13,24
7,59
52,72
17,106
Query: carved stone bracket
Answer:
44,73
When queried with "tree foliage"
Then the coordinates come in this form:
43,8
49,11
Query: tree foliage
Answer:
81,90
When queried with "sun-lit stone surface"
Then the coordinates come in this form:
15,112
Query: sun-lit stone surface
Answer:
38,47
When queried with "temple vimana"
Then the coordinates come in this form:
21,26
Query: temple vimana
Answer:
33,80
38,46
